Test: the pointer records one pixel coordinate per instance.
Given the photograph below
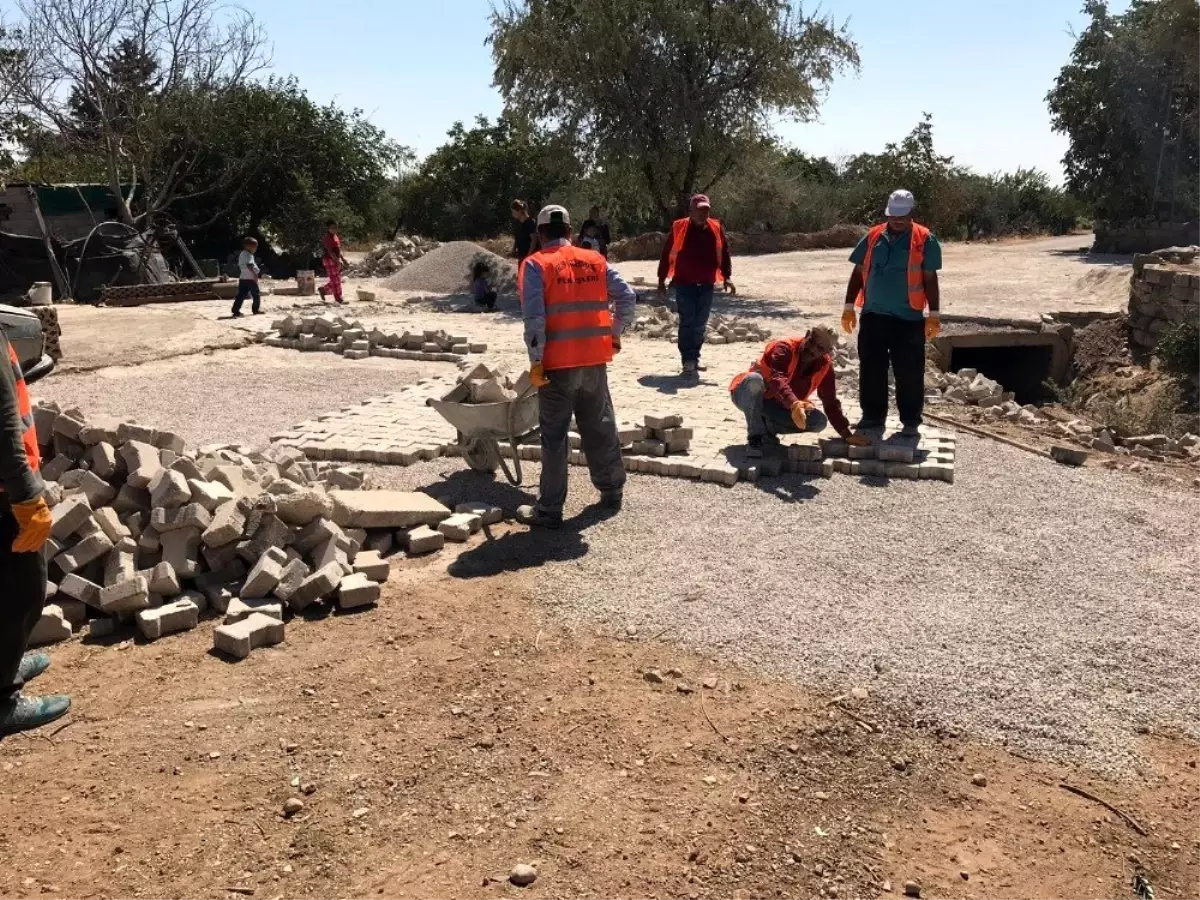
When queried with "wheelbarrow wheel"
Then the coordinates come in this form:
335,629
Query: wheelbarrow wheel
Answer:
481,454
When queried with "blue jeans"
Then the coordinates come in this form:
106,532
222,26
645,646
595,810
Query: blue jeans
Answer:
767,416
694,302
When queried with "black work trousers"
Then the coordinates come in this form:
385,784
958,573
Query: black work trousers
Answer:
900,343
22,595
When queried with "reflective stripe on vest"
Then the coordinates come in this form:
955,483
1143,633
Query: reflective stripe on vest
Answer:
578,317
763,368
28,432
679,232
916,259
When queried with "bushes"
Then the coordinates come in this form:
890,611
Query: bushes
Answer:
1178,350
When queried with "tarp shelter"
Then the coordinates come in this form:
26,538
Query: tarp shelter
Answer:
81,247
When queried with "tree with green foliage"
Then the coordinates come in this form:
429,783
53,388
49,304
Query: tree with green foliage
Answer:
1129,100
676,90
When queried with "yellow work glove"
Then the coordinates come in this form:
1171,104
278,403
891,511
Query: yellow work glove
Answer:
933,326
537,376
849,319
34,521
799,415
858,440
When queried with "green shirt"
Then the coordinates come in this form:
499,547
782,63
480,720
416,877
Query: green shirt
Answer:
887,282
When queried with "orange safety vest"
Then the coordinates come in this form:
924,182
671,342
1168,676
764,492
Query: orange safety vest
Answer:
578,318
916,259
25,408
679,232
763,367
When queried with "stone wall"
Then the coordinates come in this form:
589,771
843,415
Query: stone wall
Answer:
1164,291
1143,236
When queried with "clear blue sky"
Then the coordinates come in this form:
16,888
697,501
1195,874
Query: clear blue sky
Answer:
982,67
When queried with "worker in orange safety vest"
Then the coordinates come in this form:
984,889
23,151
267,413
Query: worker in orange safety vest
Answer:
895,285
571,334
25,524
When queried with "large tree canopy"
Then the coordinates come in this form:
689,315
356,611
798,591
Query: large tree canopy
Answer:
1128,101
675,90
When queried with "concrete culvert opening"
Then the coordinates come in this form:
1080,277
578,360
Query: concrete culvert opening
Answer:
1021,361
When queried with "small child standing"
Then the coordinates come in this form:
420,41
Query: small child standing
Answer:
590,239
248,275
484,295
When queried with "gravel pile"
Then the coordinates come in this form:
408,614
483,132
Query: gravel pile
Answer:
447,270
1070,624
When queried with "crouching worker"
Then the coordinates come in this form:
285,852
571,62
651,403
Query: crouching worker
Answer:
774,394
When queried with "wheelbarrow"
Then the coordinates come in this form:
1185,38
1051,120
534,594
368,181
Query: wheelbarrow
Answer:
482,426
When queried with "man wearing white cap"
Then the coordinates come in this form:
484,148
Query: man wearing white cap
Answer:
571,334
895,285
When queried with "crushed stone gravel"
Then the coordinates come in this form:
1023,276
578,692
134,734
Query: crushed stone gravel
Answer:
1049,608
446,270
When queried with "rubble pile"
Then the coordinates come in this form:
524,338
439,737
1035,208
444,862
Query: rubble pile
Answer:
1151,447
663,324
353,340
391,257
485,385
151,534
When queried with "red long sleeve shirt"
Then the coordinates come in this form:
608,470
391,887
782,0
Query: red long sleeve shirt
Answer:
786,393
697,260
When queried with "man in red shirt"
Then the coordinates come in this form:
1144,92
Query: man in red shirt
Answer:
334,262
694,258
774,394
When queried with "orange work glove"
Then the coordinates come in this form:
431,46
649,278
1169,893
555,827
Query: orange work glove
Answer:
537,376
858,440
849,319
34,521
933,326
799,415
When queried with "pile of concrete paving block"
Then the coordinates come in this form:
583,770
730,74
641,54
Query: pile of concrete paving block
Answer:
414,522
966,387
353,340
151,534
486,385
663,324
389,258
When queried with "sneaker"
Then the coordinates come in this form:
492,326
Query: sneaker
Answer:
538,518
612,499
235,315
33,665
754,446
21,713
321,291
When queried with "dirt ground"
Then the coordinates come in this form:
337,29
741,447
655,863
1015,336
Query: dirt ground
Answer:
456,731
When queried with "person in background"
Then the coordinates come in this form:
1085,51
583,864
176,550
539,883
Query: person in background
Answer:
334,262
481,287
895,283
695,257
25,524
599,230
590,239
248,275
526,239
575,307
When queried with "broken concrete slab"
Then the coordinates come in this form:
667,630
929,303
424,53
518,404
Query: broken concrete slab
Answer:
386,509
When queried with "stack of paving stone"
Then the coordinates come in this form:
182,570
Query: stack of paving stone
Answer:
663,324
929,457
149,533
353,340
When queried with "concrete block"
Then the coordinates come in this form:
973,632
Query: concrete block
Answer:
380,542
130,499
233,477
74,611
460,526
179,615
188,469
256,630
142,462
86,551
290,579
121,564
265,574
218,593
193,515
804,452
181,548
149,540
316,533
321,583
100,430
902,470
226,526
57,467
110,523
871,467
51,628
197,598
933,470
69,425
303,506
663,422
239,608
69,516
867,452
169,440
895,453
43,422
163,580
369,563
64,446
131,431
80,589
169,489
386,509
99,628
827,468
102,457
271,531
423,539
333,550
125,596
357,590
833,447
52,493
488,514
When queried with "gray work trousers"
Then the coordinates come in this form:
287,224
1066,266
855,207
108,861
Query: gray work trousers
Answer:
766,416
584,393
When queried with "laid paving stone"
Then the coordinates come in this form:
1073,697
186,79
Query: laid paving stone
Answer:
386,509
179,615
239,638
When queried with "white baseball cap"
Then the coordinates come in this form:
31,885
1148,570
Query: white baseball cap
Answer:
554,215
901,203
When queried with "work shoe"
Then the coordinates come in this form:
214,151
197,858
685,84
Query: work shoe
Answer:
690,372
538,518
754,446
33,665
321,291
22,713
911,431
612,499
